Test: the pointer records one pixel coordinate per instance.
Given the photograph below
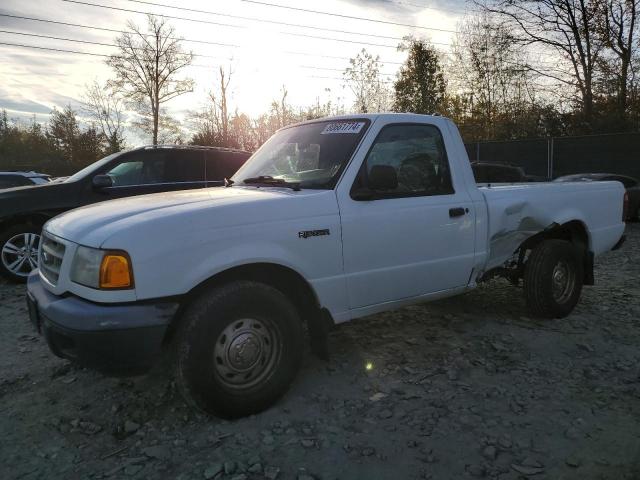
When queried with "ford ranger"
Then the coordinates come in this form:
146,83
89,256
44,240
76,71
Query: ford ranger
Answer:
330,220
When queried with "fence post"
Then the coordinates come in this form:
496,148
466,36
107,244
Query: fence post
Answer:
551,160
477,151
548,157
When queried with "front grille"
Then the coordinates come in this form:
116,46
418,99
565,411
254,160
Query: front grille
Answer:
51,255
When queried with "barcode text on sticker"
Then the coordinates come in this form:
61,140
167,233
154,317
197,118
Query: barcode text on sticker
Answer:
343,127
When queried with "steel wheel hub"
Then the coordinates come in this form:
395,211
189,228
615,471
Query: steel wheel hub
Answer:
246,353
562,281
20,253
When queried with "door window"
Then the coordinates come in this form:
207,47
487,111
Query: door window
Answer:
416,154
159,166
221,165
127,173
184,166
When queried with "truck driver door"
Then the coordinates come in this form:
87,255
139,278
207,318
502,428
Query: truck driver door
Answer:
407,227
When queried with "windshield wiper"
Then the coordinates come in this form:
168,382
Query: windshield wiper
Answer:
271,181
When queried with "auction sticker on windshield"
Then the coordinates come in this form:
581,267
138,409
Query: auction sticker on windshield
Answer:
343,127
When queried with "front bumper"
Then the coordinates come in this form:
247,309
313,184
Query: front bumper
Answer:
108,337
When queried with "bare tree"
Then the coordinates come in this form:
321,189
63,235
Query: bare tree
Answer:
243,133
323,107
106,109
620,34
281,111
220,101
491,74
365,81
568,27
147,67
170,129
213,122
205,126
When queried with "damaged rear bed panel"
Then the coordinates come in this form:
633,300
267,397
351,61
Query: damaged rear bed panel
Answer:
519,211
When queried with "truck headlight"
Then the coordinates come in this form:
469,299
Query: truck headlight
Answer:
102,269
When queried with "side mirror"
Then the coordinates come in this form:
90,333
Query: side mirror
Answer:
362,194
102,181
383,177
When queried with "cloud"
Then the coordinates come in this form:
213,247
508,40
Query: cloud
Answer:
54,29
307,61
24,106
412,6
17,61
34,99
388,5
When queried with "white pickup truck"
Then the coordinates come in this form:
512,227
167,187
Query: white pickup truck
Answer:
330,220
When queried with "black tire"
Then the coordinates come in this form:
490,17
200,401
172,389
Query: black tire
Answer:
225,331
13,237
545,292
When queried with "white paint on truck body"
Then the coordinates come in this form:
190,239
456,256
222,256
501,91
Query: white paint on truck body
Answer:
378,254
519,211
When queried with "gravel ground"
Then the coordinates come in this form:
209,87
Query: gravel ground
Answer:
465,387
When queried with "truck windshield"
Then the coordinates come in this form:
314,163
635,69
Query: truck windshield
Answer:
312,155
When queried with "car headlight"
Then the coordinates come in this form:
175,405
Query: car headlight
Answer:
102,269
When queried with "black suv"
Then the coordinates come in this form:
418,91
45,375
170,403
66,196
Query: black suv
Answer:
24,210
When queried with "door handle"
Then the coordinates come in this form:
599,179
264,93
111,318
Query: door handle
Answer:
457,212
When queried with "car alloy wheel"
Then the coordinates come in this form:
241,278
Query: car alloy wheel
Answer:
20,253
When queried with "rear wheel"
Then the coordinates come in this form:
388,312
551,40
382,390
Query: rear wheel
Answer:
553,279
19,251
239,349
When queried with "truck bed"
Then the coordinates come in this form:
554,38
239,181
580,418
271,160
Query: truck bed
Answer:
518,211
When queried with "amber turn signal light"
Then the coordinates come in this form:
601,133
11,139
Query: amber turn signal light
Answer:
115,271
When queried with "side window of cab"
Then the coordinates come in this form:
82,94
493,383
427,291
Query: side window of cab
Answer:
406,160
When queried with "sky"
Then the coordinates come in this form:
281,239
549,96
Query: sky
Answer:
262,53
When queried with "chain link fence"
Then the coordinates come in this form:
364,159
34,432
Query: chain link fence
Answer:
554,157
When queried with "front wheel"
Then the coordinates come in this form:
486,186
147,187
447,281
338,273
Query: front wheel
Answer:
553,278
238,349
19,251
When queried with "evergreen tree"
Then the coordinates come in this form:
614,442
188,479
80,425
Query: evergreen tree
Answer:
64,131
420,87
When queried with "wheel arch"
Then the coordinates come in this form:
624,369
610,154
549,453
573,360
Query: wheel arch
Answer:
285,279
573,231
